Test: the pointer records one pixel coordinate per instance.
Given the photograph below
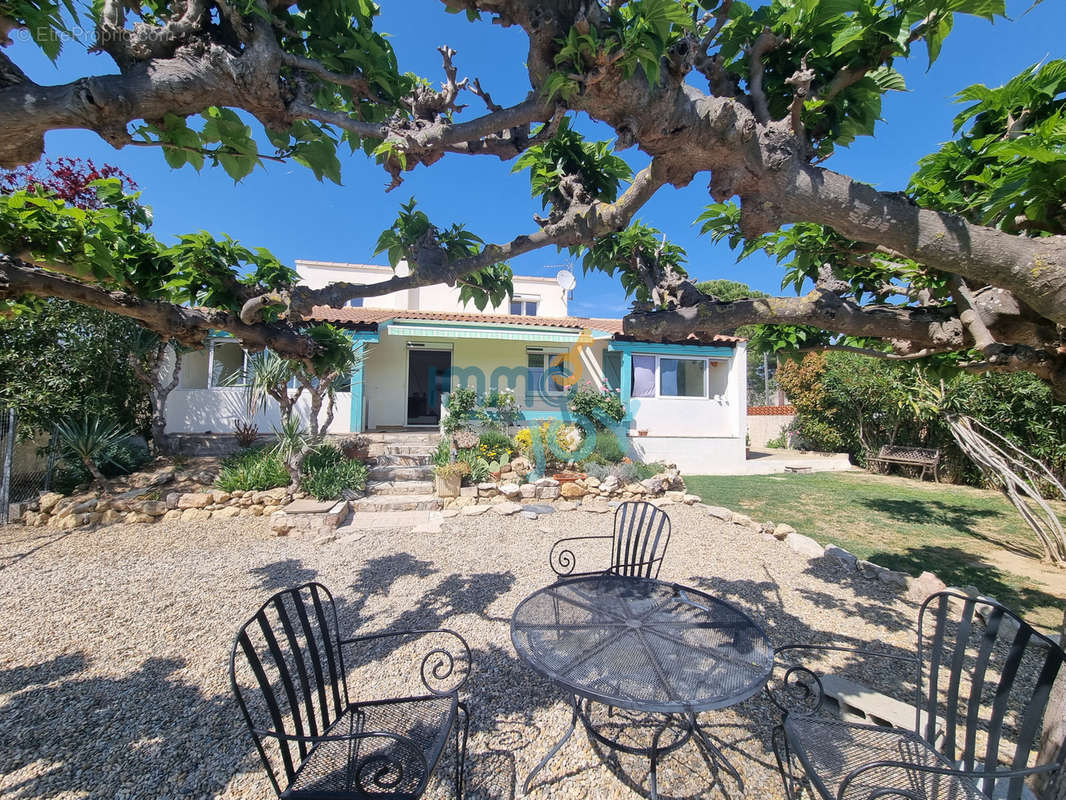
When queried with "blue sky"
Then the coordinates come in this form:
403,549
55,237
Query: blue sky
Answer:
283,208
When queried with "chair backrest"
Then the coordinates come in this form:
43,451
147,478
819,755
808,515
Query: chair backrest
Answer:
287,674
984,683
641,534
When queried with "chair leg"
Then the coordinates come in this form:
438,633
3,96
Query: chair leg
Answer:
784,764
460,751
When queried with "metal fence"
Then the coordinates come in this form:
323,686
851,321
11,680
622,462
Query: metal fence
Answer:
26,467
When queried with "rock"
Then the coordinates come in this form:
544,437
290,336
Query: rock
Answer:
161,478
172,516
654,485
592,482
84,507
48,501
309,506
924,585
782,531
194,500
154,508
540,509
510,489
111,516
690,499
528,490
468,491
487,489
767,527
842,557
507,509
529,514
893,578
545,482
610,483
326,538
595,507
205,477
635,488
463,502
676,496
433,526
195,514
474,511
172,500
571,491
547,492
448,513
138,517
67,523
219,496
804,545
718,512
747,522
661,502
225,513
565,505
281,524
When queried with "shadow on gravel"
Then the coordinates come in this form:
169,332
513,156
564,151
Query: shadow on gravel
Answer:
142,735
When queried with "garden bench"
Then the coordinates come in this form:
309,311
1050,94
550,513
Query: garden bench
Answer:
925,457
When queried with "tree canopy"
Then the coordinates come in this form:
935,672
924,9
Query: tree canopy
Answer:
966,266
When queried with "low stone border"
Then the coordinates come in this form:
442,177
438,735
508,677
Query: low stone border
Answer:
916,589
667,485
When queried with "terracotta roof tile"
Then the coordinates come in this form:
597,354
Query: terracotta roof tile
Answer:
372,316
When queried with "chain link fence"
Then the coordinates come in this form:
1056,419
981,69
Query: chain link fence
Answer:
26,466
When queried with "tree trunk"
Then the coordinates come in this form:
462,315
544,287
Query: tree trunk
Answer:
98,476
1053,737
150,372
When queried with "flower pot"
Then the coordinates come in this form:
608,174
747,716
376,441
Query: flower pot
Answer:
642,433
448,485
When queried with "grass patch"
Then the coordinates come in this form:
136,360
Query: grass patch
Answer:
966,536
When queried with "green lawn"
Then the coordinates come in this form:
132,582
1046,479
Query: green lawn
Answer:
966,536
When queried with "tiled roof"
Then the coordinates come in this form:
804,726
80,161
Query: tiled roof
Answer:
371,316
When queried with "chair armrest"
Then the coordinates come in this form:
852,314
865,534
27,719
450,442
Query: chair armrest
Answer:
808,698
877,792
562,559
439,664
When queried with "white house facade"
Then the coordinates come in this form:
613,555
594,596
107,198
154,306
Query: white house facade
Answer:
685,402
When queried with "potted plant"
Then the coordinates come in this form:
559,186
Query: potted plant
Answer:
449,477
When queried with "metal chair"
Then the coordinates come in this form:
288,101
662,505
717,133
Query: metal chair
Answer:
638,545
287,672
982,681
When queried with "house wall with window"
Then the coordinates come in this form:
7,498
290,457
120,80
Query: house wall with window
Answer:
533,295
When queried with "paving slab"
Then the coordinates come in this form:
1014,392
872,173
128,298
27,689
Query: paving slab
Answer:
380,520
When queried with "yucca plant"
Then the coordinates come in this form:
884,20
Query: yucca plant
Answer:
89,439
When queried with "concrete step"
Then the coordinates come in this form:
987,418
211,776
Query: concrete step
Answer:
399,487
393,472
409,449
381,520
396,502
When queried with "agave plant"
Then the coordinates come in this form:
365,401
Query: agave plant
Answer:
89,439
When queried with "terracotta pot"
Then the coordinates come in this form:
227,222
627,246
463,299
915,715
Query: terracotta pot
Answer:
567,477
642,433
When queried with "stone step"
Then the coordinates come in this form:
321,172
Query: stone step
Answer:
409,449
393,472
381,520
396,502
399,487
397,460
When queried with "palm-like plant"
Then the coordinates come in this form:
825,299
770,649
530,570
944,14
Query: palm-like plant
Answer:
89,439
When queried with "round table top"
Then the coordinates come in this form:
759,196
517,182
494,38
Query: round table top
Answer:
641,644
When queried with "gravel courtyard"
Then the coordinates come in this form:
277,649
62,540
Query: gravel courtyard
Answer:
114,649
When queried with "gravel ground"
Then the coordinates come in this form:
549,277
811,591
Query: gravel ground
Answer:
114,648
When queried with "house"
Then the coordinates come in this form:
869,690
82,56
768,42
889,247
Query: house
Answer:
685,402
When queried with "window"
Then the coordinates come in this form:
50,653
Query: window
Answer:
524,306
355,302
682,377
228,363
539,372
659,376
643,376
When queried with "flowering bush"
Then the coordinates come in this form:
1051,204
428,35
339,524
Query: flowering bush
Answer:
568,439
500,407
495,446
598,405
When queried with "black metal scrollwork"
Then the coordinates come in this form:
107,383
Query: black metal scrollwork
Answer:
800,692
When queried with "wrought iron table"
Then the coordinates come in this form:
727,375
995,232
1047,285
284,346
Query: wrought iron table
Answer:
642,645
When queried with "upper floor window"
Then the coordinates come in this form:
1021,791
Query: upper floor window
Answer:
355,302
524,306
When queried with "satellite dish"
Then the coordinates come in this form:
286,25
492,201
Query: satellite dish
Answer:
565,278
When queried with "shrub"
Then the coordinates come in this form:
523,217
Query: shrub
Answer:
494,446
608,448
326,474
245,433
118,459
625,472
443,454
460,468
460,405
479,467
500,407
596,404
649,470
255,469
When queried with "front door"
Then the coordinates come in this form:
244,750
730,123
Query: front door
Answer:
429,375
